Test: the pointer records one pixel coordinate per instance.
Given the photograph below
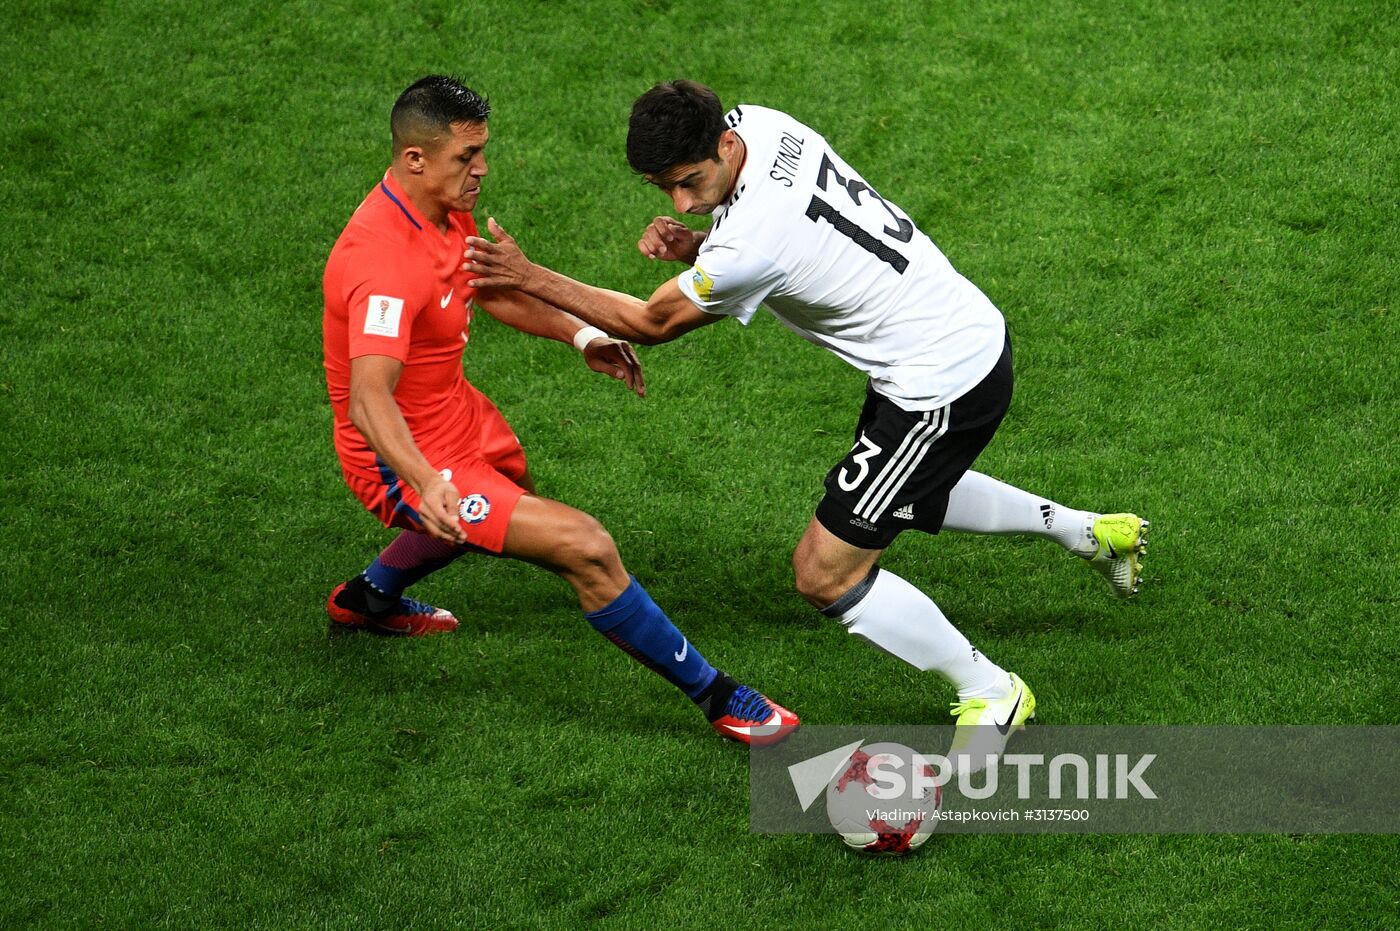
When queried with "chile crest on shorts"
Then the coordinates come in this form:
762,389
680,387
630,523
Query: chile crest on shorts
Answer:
474,508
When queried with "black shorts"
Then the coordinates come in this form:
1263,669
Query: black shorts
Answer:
904,463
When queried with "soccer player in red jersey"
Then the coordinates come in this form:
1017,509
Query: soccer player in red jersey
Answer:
428,453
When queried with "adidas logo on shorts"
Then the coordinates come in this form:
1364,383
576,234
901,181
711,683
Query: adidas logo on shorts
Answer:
904,513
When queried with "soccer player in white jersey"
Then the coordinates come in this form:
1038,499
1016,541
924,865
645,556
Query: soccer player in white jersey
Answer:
796,229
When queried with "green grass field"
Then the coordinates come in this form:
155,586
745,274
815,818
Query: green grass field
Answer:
1187,213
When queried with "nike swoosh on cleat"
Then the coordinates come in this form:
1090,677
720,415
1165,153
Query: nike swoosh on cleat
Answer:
685,648
750,728
1003,728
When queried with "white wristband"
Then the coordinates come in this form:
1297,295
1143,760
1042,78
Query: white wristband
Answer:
587,335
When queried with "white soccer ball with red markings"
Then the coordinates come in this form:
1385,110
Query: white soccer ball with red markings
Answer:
878,805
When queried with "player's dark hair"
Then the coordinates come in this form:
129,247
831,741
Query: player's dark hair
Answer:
674,123
429,108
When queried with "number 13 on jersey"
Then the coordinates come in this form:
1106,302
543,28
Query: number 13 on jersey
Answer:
901,230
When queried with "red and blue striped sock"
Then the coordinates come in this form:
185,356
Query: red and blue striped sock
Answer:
411,558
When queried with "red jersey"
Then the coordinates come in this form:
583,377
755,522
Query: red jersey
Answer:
394,286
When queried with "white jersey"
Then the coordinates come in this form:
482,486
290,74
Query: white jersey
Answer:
805,236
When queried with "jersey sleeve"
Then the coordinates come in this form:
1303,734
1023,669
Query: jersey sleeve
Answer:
383,299
731,279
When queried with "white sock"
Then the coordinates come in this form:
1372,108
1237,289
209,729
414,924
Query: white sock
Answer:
980,504
901,620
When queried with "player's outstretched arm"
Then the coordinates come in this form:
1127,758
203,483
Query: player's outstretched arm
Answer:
617,358
376,414
666,316
670,240
529,314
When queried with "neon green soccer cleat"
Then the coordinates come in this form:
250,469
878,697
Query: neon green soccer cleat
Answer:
984,725
1122,540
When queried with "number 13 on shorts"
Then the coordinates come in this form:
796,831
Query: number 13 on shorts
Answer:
862,462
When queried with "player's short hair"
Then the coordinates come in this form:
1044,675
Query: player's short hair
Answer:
430,106
674,123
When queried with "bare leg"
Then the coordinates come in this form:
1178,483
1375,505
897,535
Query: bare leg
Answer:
572,545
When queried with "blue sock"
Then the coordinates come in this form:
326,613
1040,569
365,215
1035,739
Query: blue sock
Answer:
640,628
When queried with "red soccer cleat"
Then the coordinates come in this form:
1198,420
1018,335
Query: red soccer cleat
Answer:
409,618
752,718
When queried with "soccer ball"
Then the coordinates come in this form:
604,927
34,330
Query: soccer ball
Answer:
868,820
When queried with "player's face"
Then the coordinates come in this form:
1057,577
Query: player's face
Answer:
700,187
453,169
